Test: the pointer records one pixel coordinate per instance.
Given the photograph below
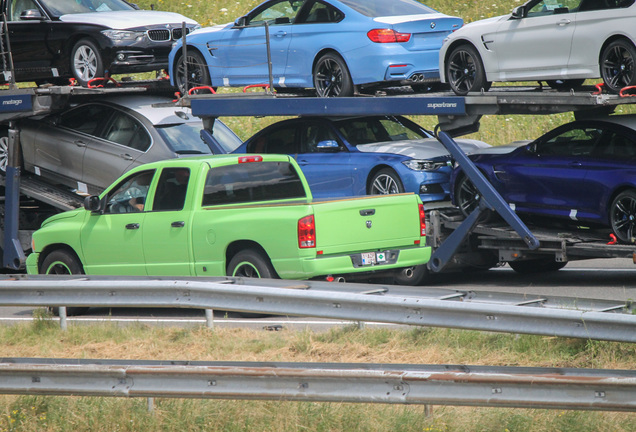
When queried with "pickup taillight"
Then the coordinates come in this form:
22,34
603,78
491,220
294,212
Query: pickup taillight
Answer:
422,221
307,232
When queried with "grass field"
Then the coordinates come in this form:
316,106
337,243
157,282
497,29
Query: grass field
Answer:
345,344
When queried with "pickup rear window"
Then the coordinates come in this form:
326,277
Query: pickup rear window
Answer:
255,181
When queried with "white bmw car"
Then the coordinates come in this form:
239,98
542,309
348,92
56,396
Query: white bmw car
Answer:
562,42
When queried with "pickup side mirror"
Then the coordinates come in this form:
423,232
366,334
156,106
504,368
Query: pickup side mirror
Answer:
31,15
240,22
519,12
328,145
93,204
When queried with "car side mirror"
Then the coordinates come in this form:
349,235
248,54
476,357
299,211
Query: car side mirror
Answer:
328,145
240,22
31,15
518,12
93,204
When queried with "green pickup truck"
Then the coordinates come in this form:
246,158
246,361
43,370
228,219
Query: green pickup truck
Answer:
237,215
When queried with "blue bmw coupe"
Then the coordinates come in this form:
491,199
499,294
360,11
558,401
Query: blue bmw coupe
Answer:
362,155
332,46
584,171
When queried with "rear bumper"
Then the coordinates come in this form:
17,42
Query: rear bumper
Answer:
349,264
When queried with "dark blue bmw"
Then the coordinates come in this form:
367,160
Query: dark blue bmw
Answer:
583,171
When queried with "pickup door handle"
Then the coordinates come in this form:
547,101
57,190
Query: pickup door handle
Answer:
126,156
80,143
179,224
132,226
367,212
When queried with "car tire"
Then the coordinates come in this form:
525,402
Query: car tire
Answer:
541,265
86,62
251,263
465,71
565,85
385,182
63,262
623,217
198,74
411,276
332,77
617,65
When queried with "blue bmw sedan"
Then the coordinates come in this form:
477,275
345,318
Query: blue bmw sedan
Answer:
371,155
332,46
583,171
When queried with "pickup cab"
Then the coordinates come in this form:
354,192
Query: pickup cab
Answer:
237,215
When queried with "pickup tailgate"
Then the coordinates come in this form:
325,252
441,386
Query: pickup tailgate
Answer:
367,223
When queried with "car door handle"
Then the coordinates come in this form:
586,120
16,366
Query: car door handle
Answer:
576,164
132,226
126,156
303,162
179,224
79,143
564,22
281,34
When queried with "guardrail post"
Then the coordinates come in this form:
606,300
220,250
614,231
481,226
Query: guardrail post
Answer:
62,314
151,405
209,318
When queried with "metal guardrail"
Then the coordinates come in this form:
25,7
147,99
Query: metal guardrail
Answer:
491,386
568,317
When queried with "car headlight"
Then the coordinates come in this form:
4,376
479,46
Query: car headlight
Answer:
119,35
196,27
424,165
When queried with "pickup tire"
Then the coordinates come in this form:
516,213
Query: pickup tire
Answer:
63,262
541,265
252,264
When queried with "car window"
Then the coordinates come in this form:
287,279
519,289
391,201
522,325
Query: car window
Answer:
552,7
62,7
17,7
578,141
130,195
368,130
382,8
256,181
86,118
313,134
616,146
281,140
171,189
127,131
281,12
322,13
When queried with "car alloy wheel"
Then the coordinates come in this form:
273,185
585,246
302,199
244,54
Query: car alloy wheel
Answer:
4,153
465,71
623,217
197,72
86,62
467,196
617,65
331,77
386,182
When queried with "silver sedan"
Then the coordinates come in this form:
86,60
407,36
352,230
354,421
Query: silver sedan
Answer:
89,146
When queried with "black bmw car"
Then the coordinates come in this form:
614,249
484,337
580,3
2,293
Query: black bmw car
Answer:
54,40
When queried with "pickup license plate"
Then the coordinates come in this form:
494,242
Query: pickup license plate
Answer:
371,258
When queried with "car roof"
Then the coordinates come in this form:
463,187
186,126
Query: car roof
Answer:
627,120
213,160
157,115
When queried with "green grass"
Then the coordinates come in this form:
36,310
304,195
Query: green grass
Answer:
347,344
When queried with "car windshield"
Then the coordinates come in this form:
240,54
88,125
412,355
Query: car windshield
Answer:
383,8
367,130
63,7
185,138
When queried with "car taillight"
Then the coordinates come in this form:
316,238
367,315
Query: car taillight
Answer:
387,36
422,221
248,159
307,232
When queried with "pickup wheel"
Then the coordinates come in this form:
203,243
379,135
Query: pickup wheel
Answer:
385,181
63,262
252,264
542,265
411,276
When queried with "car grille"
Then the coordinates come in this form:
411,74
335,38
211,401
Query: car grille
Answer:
164,35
